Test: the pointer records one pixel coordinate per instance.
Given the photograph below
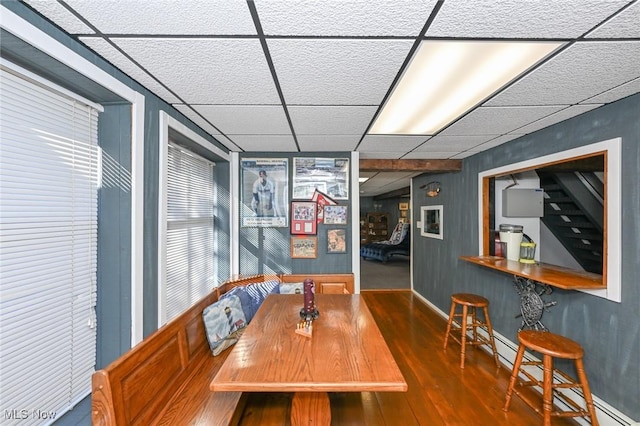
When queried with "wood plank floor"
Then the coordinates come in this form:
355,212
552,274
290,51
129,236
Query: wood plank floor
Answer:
440,393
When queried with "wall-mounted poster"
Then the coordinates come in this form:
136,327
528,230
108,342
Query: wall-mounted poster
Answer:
303,217
322,200
304,247
264,192
335,215
336,241
328,175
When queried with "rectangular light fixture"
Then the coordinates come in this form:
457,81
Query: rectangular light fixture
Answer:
446,78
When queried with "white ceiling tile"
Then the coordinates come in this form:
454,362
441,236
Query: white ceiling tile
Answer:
344,18
578,73
497,141
617,93
623,25
557,117
207,127
206,71
520,19
265,143
464,154
333,72
435,155
453,143
381,155
61,16
373,143
328,142
246,119
331,120
193,17
497,120
116,57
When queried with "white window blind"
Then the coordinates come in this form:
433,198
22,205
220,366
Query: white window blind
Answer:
190,265
48,240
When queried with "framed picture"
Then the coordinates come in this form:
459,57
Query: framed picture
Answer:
303,217
264,192
335,215
431,217
403,206
337,240
328,175
304,247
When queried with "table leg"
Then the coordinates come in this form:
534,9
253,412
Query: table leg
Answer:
310,408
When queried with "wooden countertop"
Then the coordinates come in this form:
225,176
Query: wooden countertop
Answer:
555,276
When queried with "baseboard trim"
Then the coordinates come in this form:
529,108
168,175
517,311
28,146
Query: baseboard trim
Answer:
607,415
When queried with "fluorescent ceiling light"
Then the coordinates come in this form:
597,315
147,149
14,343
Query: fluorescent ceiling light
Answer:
445,79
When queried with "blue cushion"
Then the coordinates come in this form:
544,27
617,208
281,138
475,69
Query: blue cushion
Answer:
245,300
259,291
223,322
292,288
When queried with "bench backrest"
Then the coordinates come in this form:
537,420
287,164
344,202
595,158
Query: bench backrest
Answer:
135,388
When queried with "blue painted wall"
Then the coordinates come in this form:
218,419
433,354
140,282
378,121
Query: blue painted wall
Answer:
608,331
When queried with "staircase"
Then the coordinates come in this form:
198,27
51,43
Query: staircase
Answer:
573,212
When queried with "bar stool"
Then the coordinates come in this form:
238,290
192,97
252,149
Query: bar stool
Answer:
469,303
551,346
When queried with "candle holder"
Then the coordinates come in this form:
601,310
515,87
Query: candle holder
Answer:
309,312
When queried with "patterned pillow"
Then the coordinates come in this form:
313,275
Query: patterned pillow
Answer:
259,291
245,300
224,322
291,288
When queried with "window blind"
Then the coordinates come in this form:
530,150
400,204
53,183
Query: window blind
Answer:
190,264
48,249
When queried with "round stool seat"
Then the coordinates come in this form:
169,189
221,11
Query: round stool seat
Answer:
469,299
551,344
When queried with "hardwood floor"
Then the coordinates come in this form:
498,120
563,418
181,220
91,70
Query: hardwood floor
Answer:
440,393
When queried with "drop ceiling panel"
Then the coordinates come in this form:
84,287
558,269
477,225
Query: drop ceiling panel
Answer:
521,19
559,116
331,120
207,127
580,72
497,120
206,71
337,72
444,143
194,17
61,16
381,155
328,142
617,93
116,57
624,25
246,119
434,155
268,143
342,18
379,143
495,142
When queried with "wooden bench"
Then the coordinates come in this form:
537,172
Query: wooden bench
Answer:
164,380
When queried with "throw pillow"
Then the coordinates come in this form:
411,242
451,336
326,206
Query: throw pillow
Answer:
223,321
291,288
259,291
245,300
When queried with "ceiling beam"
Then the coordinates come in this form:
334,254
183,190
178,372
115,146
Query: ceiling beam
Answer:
376,165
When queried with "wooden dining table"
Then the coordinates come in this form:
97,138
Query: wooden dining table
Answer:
345,353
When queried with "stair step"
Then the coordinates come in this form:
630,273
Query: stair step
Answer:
574,224
583,236
558,200
564,212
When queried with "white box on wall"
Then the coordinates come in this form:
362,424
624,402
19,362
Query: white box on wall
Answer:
524,202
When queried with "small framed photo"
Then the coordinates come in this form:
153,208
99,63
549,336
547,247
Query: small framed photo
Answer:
303,217
432,222
403,206
304,247
337,240
335,215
